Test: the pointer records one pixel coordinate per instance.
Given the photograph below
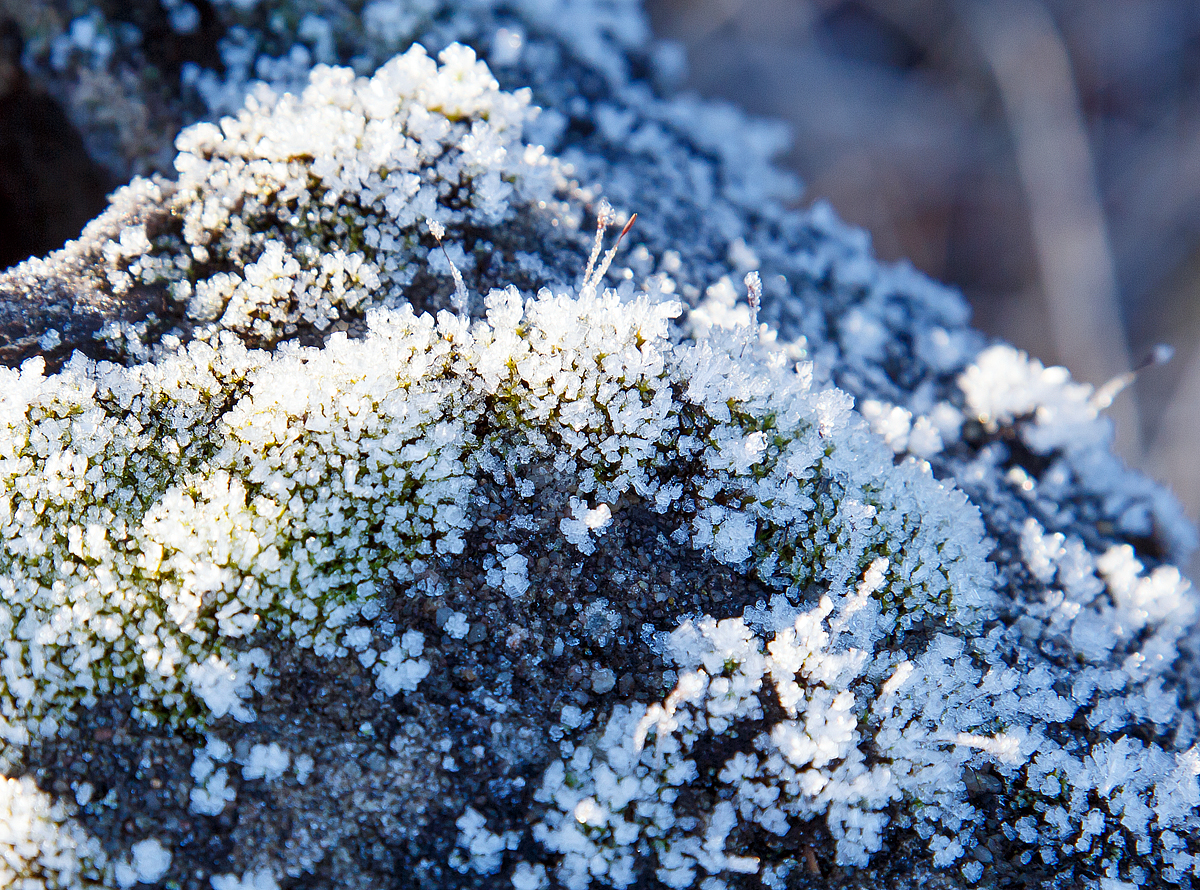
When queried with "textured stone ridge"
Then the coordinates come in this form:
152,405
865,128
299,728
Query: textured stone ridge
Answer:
366,530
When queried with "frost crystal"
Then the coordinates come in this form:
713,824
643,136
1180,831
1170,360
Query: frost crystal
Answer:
253,880
966,609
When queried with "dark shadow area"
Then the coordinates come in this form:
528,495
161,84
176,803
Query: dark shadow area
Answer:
49,186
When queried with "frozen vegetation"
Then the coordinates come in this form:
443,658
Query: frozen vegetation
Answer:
424,533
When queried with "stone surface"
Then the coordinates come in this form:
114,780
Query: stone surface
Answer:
591,575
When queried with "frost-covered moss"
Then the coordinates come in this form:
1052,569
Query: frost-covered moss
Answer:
158,518
304,209
156,512
971,667
42,848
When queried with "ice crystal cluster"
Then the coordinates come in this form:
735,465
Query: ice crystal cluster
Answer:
648,586
314,205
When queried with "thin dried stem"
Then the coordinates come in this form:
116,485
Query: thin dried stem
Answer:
461,298
754,295
603,221
590,283
1103,397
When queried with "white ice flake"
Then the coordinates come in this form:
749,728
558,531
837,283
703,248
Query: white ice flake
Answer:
456,626
265,762
260,879
150,861
484,848
210,794
583,522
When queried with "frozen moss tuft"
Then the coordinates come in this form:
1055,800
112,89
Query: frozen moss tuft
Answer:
157,514
304,209
938,635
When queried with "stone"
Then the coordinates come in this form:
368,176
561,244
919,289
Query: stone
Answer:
373,516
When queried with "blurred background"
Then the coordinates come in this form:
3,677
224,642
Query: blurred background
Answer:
1041,155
